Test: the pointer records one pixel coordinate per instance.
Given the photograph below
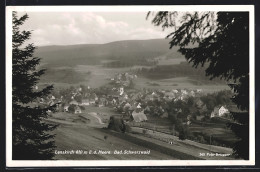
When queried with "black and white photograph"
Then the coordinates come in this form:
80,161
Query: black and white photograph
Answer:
130,85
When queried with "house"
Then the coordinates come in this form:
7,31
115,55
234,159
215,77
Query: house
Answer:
121,91
164,115
74,102
114,101
100,103
51,103
192,93
79,89
199,117
147,109
184,92
41,100
149,97
222,110
169,96
92,101
199,90
188,117
93,96
219,112
126,96
66,108
138,117
214,113
199,103
127,106
77,110
139,106
85,102
175,91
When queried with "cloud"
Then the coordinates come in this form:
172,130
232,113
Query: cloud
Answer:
85,27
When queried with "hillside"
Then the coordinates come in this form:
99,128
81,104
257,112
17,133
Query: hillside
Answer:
93,54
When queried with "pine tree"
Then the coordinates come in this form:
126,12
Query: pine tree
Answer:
31,138
219,41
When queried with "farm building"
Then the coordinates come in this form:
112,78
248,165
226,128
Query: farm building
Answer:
77,110
139,117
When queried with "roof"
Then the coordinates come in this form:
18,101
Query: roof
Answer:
85,100
139,117
74,102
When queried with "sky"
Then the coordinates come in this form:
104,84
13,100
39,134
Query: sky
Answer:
68,28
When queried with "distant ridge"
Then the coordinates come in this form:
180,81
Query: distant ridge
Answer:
90,54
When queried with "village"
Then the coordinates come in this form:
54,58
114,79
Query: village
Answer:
182,107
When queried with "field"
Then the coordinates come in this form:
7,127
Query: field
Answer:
219,133
87,132
177,83
86,64
96,76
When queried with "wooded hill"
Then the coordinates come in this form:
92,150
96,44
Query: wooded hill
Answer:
130,51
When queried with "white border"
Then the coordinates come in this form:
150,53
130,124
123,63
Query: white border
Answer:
100,163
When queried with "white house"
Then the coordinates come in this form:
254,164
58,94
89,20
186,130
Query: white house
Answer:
222,110
219,112
66,108
139,105
121,91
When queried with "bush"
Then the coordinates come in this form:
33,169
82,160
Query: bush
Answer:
127,129
82,108
72,108
183,132
117,124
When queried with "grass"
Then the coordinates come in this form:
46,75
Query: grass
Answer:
219,133
153,146
177,83
88,138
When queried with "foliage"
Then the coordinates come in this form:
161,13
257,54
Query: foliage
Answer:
31,134
219,41
64,75
117,124
183,69
183,132
215,99
72,108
